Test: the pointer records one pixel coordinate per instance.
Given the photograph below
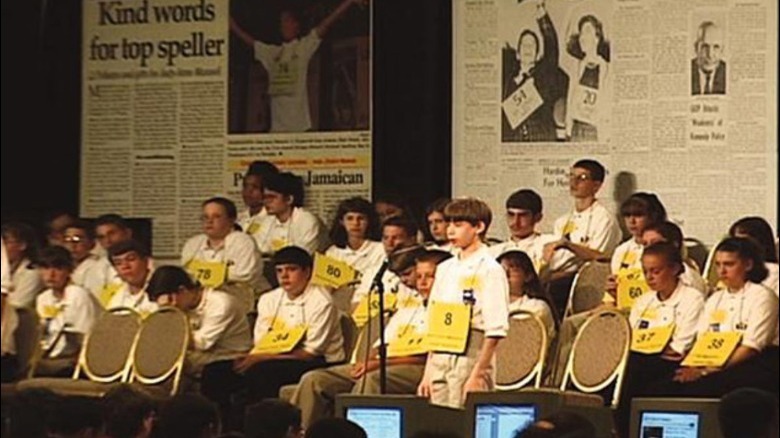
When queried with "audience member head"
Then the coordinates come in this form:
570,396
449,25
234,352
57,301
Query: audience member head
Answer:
173,286
111,229
131,261
128,413
20,242
56,225
79,239
252,185
390,204
55,265
665,231
273,418
219,217
436,231
758,229
189,415
355,219
563,424
748,412
737,260
283,192
402,263
335,427
523,212
521,274
75,417
29,412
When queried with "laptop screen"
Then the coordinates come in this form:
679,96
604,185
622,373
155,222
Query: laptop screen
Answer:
502,420
670,424
378,422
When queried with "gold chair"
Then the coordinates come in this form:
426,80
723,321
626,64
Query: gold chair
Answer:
709,273
520,356
587,290
158,357
104,358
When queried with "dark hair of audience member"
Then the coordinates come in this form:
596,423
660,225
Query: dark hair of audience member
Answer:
127,412
188,415
563,424
338,232
74,417
272,418
748,412
335,427
760,231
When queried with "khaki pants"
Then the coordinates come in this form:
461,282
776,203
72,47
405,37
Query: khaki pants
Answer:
449,372
317,390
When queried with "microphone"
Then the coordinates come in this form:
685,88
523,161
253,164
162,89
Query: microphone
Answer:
377,283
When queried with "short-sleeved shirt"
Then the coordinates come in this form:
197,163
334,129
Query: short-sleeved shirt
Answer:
683,309
220,330
94,273
628,255
138,301
594,227
313,309
252,224
26,285
370,254
78,309
537,307
751,311
532,245
412,317
487,279
302,229
287,66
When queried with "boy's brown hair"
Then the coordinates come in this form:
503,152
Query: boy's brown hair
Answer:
471,210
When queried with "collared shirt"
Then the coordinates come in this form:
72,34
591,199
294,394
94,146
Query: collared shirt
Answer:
302,229
26,285
287,66
751,310
487,279
537,307
370,254
77,310
771,280
220,330
138,301
5,272
313,309
238,251
409,318
628,255
691,277
392,284
252,224
532,245
683,308
93,274
594,227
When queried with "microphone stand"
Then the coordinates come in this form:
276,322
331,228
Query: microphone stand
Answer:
380,291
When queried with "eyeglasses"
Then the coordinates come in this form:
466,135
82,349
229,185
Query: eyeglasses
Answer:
579,178
73,239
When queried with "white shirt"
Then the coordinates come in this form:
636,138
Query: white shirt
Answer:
772,279
26,285
313,309
139,301
752,311
537,307
238,251
594,227
93,274
481,271
252,224
683,309
301,229
78,309
5,270
532,245
628,255
691,277
287,66
370,254
10,322
220,330
412,318
405,296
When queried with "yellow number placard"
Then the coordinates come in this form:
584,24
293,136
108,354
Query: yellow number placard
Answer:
277,244
448,327
280,341
712,349
108,292
651,340
209,274
49,312
569,228
409,342
631,285
361,313
253,228
331,272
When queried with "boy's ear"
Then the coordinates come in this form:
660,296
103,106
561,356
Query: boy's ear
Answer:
481,228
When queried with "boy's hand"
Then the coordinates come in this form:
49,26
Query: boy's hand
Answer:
474,384
358,370
689,374
612,285
424,388
242,364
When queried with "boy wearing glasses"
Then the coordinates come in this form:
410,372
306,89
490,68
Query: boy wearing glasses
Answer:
92,271
588,232
523,212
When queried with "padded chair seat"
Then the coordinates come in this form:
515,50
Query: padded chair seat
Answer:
69,387
570,398
286,392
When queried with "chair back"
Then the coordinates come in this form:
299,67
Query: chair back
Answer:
105,356
349,331
28,341
587,290
159,352
710,274
599,355
342,297
367,337
521,355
